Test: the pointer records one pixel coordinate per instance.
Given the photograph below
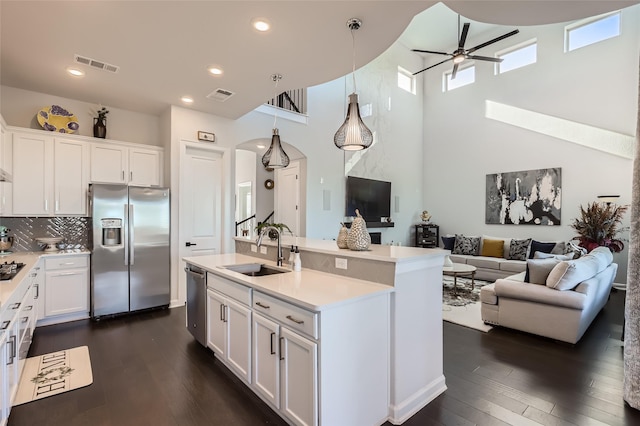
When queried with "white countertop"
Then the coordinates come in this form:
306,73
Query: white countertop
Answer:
377,252
308,288
29,258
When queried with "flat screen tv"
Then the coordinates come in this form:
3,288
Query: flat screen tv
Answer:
371,197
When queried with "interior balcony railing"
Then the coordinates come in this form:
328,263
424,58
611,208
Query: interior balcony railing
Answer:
246,225
291,100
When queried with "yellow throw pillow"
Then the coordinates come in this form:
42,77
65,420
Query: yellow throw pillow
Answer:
493,248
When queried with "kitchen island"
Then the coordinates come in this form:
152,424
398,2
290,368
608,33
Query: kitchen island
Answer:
379,339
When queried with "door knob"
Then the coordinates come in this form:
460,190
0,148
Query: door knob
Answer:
188,244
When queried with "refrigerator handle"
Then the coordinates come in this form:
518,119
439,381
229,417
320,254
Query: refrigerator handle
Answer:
131,236
126,242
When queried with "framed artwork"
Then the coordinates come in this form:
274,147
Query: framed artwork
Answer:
530,197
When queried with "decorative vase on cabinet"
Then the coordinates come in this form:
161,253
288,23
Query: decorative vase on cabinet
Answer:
100,127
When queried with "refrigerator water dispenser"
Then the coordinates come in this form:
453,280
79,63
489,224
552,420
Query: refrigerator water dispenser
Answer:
111,232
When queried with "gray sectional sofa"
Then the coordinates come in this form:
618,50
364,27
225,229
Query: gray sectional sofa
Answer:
560,301
491,268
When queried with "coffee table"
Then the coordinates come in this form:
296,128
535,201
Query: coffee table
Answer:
460,269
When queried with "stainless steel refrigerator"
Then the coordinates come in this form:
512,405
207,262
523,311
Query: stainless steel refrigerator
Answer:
130,259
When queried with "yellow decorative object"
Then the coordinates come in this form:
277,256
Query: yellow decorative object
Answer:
493,248
57,119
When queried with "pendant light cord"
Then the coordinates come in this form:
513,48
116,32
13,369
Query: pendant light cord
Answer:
276,78
353,45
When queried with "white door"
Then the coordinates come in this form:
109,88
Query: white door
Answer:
299,378
200,205
266,364
287,193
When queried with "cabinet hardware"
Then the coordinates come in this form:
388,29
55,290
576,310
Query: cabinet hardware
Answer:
123,175
280,348
15,305
5,324
25,319
131,235
12,349
221,312
263,306
57,205
271,342
28,308
64,274
189,244
130,176
297,321
46,205
37,296
224,310
126,221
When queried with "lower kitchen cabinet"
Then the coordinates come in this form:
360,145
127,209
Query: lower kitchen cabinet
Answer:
66,288
229,332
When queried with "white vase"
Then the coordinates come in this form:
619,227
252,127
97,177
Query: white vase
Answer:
447,262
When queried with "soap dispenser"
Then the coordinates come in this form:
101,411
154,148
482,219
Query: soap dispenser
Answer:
297,264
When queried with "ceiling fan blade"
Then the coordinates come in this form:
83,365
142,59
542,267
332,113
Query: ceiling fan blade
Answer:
463,36
454,72
431,66
430,51
485,44
485,58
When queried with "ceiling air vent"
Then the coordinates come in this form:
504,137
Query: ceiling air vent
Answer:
220,95
96,64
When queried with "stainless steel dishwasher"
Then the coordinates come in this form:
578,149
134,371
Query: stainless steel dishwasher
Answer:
197,303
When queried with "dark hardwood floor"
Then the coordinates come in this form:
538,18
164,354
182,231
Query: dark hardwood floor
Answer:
148,370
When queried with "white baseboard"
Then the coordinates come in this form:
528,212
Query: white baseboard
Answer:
401,412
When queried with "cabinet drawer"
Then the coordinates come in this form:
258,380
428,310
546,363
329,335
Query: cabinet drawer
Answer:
239,292
287,314
66,262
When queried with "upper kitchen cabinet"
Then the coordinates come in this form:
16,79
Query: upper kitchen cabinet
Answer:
6,165
132,165
50,175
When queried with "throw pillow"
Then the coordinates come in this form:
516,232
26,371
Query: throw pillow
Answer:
518,249
540,255
448,242
539,269
493,248
466,245
567,274
541,247
507,243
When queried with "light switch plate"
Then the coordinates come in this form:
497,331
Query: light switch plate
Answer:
254,248
263,250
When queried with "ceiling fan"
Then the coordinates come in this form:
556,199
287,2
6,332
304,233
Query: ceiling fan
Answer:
460,54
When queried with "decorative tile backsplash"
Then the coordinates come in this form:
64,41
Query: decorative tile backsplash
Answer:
74,230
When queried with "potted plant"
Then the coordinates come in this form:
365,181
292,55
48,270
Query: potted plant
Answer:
272,235
599,225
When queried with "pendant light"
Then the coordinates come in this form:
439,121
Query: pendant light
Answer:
275,157
353,135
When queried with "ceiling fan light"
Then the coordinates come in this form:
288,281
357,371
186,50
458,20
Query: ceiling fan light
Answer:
275,157
458,59
353,135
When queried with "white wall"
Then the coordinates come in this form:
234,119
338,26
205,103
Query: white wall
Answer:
19,108
596,85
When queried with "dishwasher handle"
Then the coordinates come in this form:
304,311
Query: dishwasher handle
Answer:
197,274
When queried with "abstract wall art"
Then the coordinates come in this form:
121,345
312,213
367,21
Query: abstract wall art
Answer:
531,197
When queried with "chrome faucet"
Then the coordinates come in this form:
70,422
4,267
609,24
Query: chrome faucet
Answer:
277,231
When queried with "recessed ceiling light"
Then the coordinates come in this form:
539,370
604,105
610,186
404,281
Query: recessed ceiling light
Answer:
187,99
75,72
261,146
215,70
261,24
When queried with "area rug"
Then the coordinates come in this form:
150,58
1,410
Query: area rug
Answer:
54,373
462,307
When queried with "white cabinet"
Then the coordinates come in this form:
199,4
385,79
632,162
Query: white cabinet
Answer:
70,177
66,286
6,164
50,175
266,360
32,174
125,165
229,324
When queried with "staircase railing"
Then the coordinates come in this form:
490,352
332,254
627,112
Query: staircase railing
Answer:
291,100
253,216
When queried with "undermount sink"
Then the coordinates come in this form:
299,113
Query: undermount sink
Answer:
255,269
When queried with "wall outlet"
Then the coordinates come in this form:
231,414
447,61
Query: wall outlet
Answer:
263,250
341,263
254,248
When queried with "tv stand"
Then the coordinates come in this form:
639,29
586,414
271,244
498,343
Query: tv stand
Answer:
374,224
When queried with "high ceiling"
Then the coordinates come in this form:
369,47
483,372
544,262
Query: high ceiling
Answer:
163,48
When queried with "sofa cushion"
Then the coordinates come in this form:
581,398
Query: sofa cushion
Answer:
538,270
567,274
560,248
604,257
488,294
485,262
461,258
540,255
512,266
539,294
448,242
507,243
518,249
537,246
466,245
492,248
